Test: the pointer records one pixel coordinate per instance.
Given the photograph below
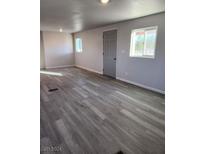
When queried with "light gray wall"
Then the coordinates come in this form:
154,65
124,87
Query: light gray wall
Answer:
91,57
42,53
148,73
58,49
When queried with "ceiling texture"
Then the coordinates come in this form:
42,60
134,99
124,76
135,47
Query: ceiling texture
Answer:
78,15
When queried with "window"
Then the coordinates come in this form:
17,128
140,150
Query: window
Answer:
78,45
143,42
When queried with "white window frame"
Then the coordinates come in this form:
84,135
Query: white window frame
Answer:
81,50
132,46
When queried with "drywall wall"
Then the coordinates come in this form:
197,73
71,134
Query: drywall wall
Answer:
42,52
148,73
58,49
91,57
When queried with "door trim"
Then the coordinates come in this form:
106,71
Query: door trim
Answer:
106,30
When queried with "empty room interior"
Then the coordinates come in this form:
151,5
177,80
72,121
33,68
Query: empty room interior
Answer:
102,76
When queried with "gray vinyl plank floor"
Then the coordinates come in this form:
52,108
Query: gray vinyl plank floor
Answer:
94,114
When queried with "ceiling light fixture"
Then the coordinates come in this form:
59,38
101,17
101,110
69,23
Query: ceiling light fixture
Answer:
104,1
60,30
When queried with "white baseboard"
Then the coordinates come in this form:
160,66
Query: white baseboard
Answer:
63,66
141,85
88,69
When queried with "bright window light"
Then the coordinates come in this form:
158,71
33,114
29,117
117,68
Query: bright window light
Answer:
51,73
143,42
78,45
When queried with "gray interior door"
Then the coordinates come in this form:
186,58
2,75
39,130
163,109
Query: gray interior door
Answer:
109,52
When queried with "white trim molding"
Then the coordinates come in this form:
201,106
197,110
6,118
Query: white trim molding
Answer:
63,66
88,69
110,29
141,85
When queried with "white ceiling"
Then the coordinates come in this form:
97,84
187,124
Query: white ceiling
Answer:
78,15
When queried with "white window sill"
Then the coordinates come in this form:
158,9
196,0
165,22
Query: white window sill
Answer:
148,57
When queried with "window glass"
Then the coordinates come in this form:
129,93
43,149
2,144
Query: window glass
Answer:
143,42
78,45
